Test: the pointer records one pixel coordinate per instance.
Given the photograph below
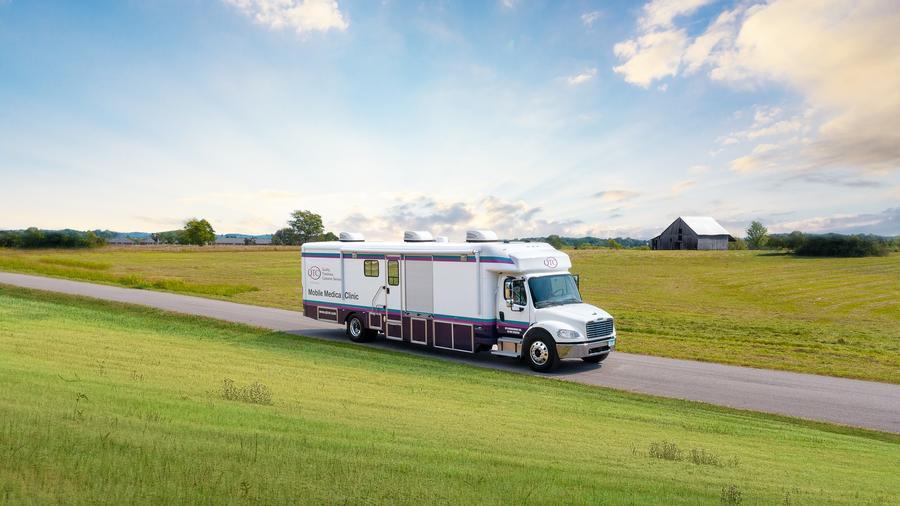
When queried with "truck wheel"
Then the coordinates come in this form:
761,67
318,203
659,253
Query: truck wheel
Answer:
596,359
540,353
357,331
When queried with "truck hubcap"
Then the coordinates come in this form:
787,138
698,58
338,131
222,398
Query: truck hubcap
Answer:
355,327
539,353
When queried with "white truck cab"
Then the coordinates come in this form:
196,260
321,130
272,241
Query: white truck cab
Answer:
551,304
514,299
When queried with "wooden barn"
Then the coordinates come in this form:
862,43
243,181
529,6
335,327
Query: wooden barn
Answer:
693,232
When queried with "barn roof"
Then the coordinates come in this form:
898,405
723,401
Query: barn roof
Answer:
704,225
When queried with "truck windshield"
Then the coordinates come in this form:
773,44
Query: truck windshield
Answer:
554,290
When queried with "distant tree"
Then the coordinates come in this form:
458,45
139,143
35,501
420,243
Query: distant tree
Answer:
284,237
249,241
555,241
307,226
757,235
328,236
738,244
613,244
197,232
155,237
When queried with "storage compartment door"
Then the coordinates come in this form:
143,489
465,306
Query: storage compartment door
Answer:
419,284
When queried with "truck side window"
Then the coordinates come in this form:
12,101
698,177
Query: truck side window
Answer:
393,272
370,268
518,293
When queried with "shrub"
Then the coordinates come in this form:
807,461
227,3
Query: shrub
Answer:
731,495
836,245
738,244
666,451
255,393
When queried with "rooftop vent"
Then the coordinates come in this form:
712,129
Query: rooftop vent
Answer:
417,236
352,237
481,236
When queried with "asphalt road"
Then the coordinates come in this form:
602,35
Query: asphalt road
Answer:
844,401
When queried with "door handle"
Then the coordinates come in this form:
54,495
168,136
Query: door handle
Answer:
502,317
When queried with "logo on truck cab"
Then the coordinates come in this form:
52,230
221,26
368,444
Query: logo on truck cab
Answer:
314,272
551,262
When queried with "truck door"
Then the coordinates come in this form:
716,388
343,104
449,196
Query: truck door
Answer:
513,310
393,299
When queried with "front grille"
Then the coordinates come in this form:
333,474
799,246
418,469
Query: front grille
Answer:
599,328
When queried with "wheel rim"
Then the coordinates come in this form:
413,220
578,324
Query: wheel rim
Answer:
540,354
355,327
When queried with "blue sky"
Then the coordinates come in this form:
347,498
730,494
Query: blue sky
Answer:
529,117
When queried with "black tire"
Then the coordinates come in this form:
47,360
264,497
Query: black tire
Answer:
357,331
596,359
539,353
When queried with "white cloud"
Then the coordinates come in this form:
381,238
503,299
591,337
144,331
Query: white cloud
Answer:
453,217
616,195
509,4
843,57
661,13
764,115
886,222
682,186
779,128
582,77
588,18
728,140
650,57
299,15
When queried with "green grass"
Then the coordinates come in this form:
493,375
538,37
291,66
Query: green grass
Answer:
838,317
832,316
104,403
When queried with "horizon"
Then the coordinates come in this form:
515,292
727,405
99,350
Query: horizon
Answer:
531,118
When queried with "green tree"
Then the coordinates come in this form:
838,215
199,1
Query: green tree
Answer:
613,244
307,226
197,232
555,241
328,236
284,237
757,235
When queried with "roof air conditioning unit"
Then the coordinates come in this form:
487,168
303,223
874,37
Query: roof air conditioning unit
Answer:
417,236
481,236
352,237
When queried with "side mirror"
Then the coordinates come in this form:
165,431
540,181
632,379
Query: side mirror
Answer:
507,292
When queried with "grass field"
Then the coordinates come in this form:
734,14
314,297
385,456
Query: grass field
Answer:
838,317
110,404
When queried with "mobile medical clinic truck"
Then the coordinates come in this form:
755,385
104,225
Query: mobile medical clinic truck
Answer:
515,299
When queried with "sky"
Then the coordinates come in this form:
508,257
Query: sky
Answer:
604,118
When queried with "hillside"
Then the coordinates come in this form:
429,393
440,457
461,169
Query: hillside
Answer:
113,404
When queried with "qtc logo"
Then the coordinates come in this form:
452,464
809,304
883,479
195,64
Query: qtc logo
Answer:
551,263
314,272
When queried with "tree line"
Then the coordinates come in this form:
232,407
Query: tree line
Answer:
817,245
33,237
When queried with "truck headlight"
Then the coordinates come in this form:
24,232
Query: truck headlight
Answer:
567,334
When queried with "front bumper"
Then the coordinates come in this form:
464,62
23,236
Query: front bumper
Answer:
586,348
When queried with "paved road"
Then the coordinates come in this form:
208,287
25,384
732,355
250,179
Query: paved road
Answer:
844,401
